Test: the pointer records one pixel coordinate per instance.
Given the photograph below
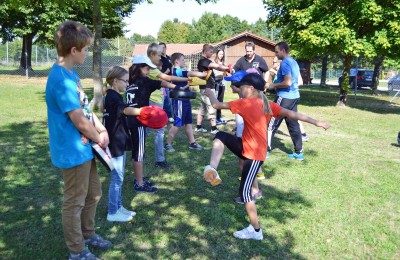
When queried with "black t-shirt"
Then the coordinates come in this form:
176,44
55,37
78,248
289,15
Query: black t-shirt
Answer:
257,63
114,121
166,64
138,95
202,65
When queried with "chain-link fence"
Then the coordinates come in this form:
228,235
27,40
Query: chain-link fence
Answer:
114,52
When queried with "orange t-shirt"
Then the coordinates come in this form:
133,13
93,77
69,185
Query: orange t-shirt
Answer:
254,136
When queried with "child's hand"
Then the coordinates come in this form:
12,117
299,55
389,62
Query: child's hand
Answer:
104,141
324,125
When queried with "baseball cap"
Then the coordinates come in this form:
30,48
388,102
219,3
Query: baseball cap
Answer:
143,59
237,76
252,79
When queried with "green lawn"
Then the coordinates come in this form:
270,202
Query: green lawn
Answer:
342,202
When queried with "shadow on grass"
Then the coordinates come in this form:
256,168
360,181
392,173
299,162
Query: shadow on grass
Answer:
328,96
187,218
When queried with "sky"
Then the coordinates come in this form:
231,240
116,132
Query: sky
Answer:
147,18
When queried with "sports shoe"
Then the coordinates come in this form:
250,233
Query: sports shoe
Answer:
249,233
196,146
221,122
169,148
163,165
171,120
267,157
398,138
145,180
127,212
119,217
304,137
98,242
297,156
211,175
83,255
214,132
200,130
145,188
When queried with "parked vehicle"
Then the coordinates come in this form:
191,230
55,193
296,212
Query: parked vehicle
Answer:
394,82
364,78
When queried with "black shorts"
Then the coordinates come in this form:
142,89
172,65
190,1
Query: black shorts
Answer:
138,139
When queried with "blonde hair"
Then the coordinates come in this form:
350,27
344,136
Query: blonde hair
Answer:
115,72
153,48
71,34
266,107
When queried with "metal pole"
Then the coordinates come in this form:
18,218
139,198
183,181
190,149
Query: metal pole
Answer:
26,60
36,55
356,87
7,53
47,55
119,54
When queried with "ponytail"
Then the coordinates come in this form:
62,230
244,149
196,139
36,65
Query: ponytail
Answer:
266,107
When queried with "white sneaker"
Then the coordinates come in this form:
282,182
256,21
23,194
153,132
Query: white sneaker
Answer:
127,212
249,233
171,120
119,217
200,130
211,175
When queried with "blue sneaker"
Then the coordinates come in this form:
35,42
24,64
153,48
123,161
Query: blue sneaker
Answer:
297,156
398,138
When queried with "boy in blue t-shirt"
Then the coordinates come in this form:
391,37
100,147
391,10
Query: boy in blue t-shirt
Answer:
71,127
182,107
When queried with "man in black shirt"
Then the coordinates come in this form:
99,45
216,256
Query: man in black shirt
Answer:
206,109
251,60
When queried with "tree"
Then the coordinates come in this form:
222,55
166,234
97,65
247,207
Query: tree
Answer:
139,38
351,28
174,32
211,27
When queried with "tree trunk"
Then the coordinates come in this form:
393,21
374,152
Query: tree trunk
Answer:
97,75
377,71
324,69
26,55
344,85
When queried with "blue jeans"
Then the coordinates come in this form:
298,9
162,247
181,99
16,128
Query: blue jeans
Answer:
158,139
116,180
167,103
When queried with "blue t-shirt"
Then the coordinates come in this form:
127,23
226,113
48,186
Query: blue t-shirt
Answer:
182,74
64,93
289,67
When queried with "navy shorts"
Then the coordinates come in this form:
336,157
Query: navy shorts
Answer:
182,112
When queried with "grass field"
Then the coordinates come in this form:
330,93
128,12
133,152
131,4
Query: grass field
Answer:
342,202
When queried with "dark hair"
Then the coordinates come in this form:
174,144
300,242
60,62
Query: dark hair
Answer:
134,72
250,44
175,56
71,34
283,45
162,43
206,47
223,57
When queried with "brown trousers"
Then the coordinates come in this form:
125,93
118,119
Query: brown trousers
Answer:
82,192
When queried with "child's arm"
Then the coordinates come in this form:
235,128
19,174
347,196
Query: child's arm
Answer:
131,111
102,131
298,116
214,101
220,67
165,84
85,127
197,74
166,77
